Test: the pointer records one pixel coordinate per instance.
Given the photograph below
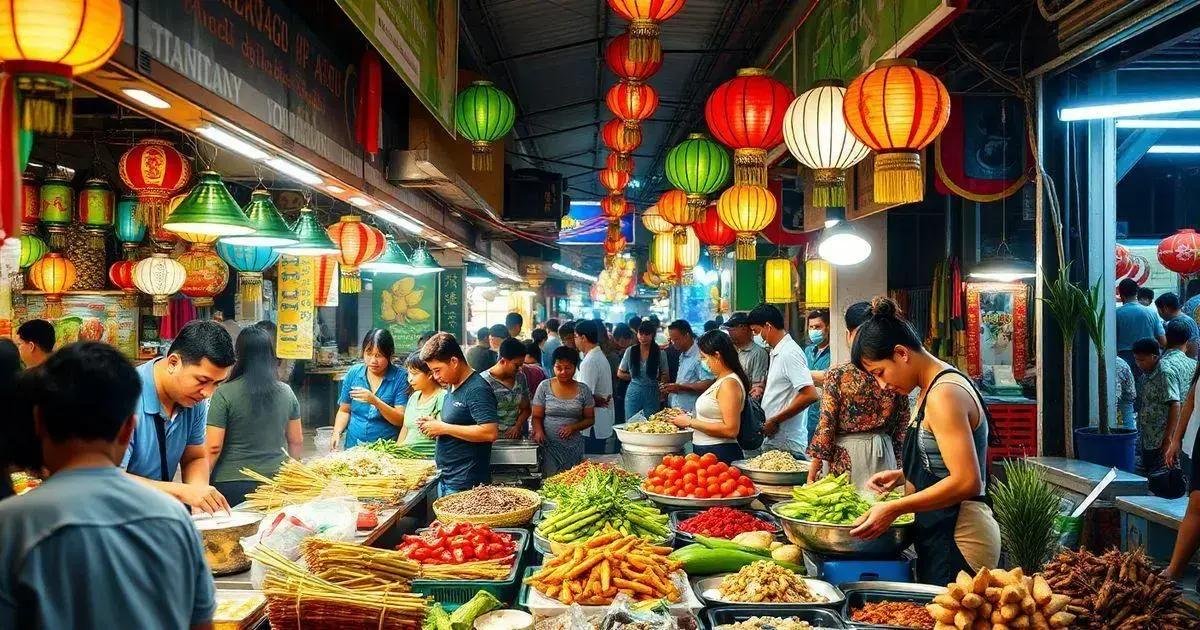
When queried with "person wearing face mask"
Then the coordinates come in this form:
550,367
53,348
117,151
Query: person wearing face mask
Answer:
789,389
692,379
817,355
373,395
862,425
945,452
170,431
719,409
753,357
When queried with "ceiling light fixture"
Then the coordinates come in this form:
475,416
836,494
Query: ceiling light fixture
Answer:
393,259
423,262
361,202
841,245
146,98
834,216
298,173
478,275
1174,148
226,140
1158,123
406,224
337,190
573,272
1132,108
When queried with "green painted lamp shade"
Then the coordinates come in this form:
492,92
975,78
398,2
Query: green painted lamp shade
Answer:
32,250
130,229
25,141
698,165
483,113
423,262
95,204
210,210
57,200
393,259
478,275
270,230
311,238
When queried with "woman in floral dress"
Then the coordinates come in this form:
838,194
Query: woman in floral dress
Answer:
862,426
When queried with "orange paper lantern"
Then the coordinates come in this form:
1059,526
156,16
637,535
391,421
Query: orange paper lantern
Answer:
674,207
613,207
644,17
897,109
206,276
613,181
632,102
359,243
53,275
748,210
621,139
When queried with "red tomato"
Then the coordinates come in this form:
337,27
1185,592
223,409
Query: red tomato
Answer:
701,493
689,487
721,467
692,457
673,474
660,469
734,472
745,482
691,467
708,459
727,487
689,477
723,477
714,490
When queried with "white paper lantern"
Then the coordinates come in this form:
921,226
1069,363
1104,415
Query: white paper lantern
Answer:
815,132
159,277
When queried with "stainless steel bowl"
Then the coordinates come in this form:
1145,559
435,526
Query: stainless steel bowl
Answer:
773,477
835,540
676,440
701,504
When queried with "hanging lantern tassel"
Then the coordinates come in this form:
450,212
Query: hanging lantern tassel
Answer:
750,167
159,307
351,281
250,294
717,254
898,177
746,249
57,236
644,44
829,188
45,97
481,156
95,238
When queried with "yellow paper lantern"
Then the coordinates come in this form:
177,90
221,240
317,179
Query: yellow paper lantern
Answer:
653,220
662,255
748,210
817,283
53,275
687,255
779,281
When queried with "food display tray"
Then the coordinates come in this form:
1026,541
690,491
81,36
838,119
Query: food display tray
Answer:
706,589
773,477
661,440
700,504
454,593
678,516
859,593
717,616
541,606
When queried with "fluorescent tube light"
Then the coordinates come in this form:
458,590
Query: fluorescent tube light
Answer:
361,202
573,273
1158,123
146,98
226,140
1133,108
1174,148
405,223
297,173
337,190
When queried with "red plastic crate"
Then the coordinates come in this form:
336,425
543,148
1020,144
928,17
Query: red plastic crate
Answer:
1016,425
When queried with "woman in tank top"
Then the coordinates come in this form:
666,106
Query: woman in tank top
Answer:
719,409
945,451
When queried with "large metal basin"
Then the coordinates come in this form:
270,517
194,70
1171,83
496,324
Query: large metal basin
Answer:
662,440
835,540
773,477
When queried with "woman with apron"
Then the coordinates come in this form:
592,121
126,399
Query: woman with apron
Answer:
862,425
945,450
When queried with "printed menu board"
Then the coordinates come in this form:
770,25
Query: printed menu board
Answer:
87,316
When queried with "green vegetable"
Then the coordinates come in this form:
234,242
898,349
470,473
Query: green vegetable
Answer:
464,617
721,543
1027,509
598,503
700,560
833,500
395,449
437,619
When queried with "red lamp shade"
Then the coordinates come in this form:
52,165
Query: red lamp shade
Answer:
359,243
632,101
896,109
616,55
714,234
613,181
622,140
674,207
154,169
613,207
120,274
614,162
746,114
1180,252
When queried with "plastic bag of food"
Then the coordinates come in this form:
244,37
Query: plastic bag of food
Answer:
625,614
573,619
331,517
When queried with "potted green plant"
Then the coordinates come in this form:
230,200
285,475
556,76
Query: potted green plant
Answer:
1102,444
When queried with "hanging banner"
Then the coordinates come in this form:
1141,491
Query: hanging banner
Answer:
419,40
405,305
450,317
983,155
788,227
296,336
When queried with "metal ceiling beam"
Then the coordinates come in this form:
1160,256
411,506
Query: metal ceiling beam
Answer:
559,108
546,51
555,132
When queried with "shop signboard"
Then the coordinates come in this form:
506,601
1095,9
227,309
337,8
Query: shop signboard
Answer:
90,316
297,301
405,305
451,316
419,40
262,58
585,225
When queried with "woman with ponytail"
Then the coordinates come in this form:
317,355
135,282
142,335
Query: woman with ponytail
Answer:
945,452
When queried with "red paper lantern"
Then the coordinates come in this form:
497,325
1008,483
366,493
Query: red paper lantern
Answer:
632,101
154,169
359,243
746,113
613,181
614,163
714,234
120,274
1124,261
31,204
1180,252
644,18
613,207
619,138
207,276
616,54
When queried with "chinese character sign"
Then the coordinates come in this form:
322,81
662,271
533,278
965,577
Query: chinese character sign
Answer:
295,335
452,302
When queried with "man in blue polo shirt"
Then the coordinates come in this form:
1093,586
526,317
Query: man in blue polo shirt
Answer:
470,420
90,547
171,415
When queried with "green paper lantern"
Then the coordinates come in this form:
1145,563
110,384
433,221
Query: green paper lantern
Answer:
270,230
699,167
311,238
25,141
57,203
209,210
32,250
483,114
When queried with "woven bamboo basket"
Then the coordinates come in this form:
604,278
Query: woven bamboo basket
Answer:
515,518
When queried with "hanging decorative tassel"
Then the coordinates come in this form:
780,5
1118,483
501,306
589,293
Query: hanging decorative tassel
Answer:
58,236
481,156
829,188
750,167
46,100
644,44
746,247
696,205
351,281
717,254
898,178
161,302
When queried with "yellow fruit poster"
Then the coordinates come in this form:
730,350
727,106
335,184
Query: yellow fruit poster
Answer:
406,305
297,288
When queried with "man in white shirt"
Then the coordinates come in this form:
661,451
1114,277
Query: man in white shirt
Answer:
789,390
692,378
595,372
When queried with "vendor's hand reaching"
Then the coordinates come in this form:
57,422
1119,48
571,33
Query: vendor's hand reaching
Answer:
514,433
680,419
815,468
204,498
770,428
1171,453
884,482
669,388
875,522
363,395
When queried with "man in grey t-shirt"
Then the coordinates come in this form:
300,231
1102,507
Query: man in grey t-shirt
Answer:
754,358
91,547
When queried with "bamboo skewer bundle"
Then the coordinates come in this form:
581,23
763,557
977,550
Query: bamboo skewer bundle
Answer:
478,570
297,482
389,566
297,599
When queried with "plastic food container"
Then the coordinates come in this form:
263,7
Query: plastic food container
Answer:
817,617
707,588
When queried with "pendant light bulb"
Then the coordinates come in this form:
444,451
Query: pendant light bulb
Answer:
842,246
